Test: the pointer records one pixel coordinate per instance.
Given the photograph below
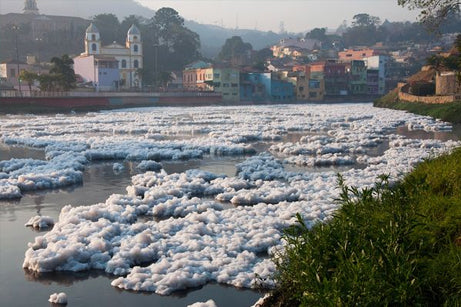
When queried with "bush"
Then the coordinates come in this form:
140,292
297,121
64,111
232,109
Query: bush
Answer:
397,245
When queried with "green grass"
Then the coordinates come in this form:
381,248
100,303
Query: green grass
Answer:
398,245
450,112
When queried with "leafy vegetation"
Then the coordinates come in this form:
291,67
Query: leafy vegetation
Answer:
234,47
433,12
386,245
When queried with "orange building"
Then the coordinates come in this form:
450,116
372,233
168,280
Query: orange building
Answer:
356,54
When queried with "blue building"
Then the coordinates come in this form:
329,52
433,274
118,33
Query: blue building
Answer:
265,86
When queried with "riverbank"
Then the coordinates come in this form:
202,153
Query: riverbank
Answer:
387,245
450,112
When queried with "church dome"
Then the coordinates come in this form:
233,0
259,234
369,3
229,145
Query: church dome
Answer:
92,29
134,30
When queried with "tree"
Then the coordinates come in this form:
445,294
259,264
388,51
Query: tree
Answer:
364,31
62,68
234,47
365,20
109,28
317,33
165,20
29,77
172,44
433,12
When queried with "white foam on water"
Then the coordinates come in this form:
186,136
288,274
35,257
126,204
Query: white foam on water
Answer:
212,228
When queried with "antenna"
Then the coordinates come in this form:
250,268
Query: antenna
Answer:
282,27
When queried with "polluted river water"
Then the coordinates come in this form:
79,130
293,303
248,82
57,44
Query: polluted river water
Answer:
232,165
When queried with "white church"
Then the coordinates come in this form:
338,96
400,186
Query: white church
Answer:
111,67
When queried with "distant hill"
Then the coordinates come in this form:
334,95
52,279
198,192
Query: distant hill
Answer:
212,37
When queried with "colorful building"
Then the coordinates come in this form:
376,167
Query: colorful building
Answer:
129,60
226,81
380,63
255,86
336,76
356,54
373,82
198,76
265,86
358,78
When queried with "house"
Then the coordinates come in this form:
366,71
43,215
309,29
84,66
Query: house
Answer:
294,47
128,60
10,71
356,54
373,82
226,81
379,63
198,76
336,76
358,78
265,86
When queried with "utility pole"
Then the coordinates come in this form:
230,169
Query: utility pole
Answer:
155,64
16,28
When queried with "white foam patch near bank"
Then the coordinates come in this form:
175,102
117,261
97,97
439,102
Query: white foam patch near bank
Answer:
208,227
209,303
58,298
40,222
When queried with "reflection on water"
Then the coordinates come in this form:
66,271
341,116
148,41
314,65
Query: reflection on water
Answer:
454,135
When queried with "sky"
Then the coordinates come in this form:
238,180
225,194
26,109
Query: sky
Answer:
265,15
296,15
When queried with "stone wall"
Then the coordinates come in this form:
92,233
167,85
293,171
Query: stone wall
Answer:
426,99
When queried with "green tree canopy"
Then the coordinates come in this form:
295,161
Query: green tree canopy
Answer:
317,33
234,47
433,12
28,77
109,28
62,69
365,20
364,31
174,44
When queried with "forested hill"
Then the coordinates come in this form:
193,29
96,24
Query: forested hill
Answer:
213,37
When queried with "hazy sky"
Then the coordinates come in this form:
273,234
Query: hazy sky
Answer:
297,15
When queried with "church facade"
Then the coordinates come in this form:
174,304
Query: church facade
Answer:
111,67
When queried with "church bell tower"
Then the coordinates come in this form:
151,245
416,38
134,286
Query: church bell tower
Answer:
30,7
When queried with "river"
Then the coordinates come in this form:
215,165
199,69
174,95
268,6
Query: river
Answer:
100,179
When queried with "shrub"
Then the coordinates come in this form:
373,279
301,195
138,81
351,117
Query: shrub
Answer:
398,245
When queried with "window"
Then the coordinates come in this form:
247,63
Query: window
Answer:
94,47
216,75
136,64
234,85
135,48
135,37
12,72
123,63
93,37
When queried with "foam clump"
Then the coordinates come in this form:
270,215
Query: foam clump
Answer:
58,298
40,222
209,303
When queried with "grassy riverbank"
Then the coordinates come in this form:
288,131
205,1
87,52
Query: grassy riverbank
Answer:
450,112
398,245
